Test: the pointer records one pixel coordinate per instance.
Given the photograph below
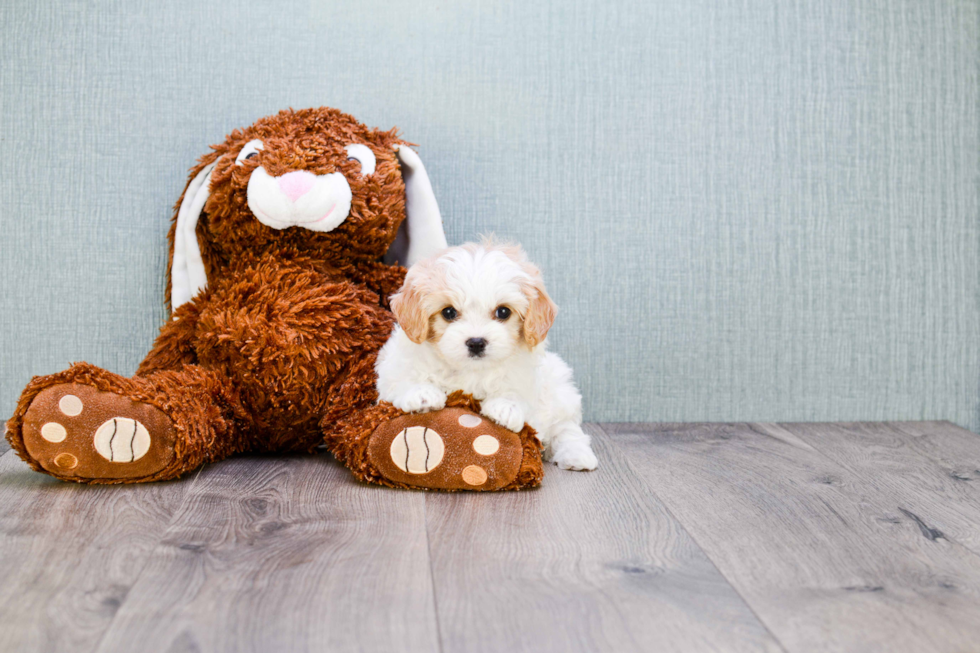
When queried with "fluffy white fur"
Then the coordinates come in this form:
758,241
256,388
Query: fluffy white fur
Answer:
514,377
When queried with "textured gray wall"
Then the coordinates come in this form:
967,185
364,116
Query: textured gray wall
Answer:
747,209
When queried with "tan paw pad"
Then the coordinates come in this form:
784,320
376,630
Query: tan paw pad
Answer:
122,440
65,461
469,421
474,475
70,405
486,445
417,450
54,432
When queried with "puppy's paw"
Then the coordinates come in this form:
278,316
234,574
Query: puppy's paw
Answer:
577,457
505,412
420,399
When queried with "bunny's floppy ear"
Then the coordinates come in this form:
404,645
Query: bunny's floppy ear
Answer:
421,234
187,275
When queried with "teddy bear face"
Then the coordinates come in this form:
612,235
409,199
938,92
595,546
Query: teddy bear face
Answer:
313,181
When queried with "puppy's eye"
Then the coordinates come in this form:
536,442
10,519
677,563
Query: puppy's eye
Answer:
364,155
449,314
502,313
250,150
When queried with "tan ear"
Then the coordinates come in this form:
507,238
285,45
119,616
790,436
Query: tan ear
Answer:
541,310
407,305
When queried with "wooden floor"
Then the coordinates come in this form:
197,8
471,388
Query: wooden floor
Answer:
693,537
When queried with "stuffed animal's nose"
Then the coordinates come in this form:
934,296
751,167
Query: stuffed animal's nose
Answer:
296,184
476,346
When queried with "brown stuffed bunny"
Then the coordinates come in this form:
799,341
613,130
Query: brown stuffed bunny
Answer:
278,283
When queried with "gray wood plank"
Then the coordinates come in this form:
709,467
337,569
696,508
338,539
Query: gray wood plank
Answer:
930,469
825,558
954,448
285,554
71,553
589,562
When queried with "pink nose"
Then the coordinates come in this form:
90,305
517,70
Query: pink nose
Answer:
296,184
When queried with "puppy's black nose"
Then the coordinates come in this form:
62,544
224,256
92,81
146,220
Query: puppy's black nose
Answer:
476,346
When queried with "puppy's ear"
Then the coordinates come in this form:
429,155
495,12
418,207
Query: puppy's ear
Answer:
408,305
541,310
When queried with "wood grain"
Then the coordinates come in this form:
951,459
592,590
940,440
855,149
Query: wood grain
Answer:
285,554
824,557
71,554
590,562
930,470
738,537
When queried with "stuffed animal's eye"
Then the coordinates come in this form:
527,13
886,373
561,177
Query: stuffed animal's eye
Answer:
501,313
449,313
364,155
251,149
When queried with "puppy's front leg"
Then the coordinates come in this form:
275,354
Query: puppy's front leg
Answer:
418,398
508,411
569,447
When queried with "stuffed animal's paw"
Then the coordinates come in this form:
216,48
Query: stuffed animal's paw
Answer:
451,449
577,457
78,432
505,412
420,399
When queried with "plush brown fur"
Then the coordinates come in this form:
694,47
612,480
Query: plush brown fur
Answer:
278,352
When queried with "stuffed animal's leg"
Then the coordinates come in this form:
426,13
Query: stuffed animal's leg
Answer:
89,425
450,449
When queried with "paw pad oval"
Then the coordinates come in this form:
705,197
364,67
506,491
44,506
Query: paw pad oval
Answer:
70,405
486,445
417,450
54,432
474,475
469,421
122,440
66,461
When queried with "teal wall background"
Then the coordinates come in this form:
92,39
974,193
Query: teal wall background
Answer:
746,209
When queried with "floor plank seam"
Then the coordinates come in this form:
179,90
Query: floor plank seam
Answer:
432,575
612,442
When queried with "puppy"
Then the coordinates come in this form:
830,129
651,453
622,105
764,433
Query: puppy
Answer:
474,318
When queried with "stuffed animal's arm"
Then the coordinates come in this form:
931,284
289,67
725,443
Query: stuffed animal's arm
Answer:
385,280
174,347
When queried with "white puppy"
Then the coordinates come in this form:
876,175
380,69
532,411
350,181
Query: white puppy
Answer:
474,318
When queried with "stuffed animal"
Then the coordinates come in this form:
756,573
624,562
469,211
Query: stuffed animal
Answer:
283,252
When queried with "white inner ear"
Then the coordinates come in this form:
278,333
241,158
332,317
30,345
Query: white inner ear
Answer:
363,154
251,147
187,275
421,234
